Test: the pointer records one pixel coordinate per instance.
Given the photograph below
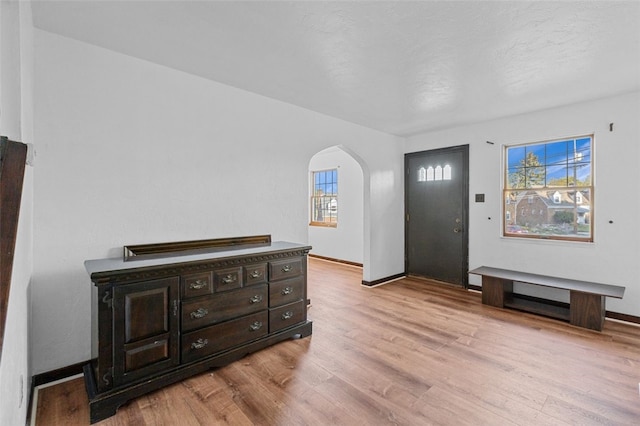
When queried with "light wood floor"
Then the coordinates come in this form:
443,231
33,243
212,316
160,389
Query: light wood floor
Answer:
411,352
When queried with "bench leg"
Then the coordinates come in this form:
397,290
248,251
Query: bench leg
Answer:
587,310
494,291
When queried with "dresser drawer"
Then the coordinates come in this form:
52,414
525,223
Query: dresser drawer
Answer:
195,285
286,291
223,306
287,316
283,269
255,274
226,335
227,279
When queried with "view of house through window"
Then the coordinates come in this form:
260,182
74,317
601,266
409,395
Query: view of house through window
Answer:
548,190
324,198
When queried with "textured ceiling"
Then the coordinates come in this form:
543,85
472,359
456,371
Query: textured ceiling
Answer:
399,67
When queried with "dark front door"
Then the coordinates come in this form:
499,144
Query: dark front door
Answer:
436,203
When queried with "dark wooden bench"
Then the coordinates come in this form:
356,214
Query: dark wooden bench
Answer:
586,299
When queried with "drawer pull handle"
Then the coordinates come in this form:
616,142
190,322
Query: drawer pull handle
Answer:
199,313
256,299
256,274
198,285
287,290
230,279
257,325
287,315
287,268
199,344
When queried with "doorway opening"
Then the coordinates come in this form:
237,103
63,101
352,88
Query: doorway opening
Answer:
345,240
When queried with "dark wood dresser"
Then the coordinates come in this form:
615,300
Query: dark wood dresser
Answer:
159,318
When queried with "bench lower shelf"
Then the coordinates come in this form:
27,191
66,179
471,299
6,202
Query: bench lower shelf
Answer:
539,307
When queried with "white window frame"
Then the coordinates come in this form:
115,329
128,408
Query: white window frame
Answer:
548,169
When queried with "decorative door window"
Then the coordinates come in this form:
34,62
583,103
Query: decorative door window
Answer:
436,173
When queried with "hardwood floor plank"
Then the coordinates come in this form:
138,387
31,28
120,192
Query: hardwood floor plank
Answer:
409,352
211,401
579,416
64,403
363,405
443,407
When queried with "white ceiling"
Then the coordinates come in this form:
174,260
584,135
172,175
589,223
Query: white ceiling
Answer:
399,67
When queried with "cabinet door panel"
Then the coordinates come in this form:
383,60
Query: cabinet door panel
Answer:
146,352
145,313
145,322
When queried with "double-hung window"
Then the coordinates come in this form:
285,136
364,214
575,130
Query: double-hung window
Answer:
548,190
324,198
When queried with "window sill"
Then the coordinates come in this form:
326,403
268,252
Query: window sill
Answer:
324,224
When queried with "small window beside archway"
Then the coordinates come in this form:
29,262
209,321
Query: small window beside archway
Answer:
324,198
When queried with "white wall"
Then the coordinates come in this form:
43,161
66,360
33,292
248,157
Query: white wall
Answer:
10,70
131,152
344,242
16,117
613,257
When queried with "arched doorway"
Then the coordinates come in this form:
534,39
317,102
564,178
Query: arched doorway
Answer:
346,240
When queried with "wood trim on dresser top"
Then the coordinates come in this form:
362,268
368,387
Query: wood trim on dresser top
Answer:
117,270
182,248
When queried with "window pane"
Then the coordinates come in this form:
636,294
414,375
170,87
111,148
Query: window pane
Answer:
515,156
535,177
422,174
582,162
446,172
515,179
537,151
539,213
557,175
556,154
583,148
